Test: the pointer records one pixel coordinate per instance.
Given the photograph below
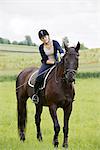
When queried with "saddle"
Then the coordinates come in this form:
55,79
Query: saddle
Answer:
42,78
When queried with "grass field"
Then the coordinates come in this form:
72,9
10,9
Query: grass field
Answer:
84,126
89,60
84,133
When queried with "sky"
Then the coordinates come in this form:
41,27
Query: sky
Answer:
79,20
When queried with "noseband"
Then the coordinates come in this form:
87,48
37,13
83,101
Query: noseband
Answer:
70,70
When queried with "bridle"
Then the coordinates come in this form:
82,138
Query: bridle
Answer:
66,71
71,71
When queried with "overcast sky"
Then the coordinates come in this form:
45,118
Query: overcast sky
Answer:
79,20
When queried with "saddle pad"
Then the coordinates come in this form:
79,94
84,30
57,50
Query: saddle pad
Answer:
45,79
32,78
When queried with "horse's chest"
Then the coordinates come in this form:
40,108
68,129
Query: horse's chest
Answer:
55,95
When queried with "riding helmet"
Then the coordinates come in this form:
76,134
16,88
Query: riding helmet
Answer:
42,33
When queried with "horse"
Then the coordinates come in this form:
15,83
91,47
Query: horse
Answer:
60,80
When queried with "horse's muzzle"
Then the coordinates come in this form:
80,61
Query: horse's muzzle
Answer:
70,75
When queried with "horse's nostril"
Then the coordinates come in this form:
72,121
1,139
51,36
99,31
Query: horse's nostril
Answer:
71,80
71,76
71,73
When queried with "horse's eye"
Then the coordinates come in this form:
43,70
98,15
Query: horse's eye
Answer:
78,54
66,58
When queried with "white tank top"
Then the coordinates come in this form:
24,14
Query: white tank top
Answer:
50,52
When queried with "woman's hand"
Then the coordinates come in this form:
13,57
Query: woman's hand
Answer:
50,62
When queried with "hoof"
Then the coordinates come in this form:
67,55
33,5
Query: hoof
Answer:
39,137
64,148
55,143
65,145
22,136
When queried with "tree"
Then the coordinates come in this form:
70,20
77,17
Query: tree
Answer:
65,41
82,46
28,40
1,40
15,42
34,44
4,41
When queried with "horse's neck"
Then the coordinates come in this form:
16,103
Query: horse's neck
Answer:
60,70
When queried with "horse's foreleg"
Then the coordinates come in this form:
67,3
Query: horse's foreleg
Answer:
39,109
67,112
53,109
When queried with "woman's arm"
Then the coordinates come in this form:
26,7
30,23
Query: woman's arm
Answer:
42,53
59,48
50,62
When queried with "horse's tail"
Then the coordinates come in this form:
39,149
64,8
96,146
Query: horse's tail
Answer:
21,107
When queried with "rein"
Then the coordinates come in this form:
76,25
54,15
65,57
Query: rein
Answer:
56,69
20,86
56,75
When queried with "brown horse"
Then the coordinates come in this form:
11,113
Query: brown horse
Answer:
60,80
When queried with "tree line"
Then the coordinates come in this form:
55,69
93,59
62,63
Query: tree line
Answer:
27,41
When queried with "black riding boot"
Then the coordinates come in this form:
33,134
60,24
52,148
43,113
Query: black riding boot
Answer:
35,97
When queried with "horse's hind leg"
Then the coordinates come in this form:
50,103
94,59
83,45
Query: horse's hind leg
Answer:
22,115
53,113
39,109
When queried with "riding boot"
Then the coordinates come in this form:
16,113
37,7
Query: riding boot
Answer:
35,97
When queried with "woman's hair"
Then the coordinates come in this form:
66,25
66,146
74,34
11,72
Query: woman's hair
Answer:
42,33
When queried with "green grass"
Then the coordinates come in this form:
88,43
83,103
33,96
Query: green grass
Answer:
18,61
84,133
23,48
89,60
12,63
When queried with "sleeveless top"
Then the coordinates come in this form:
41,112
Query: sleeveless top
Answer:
50,52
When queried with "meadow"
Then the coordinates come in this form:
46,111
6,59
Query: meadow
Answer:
84,133
84,122
12,62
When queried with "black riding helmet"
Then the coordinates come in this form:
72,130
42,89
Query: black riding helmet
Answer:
42,33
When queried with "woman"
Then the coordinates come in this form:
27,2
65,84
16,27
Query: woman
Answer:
48,50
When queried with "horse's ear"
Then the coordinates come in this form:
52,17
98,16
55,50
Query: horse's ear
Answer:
77,47
65,47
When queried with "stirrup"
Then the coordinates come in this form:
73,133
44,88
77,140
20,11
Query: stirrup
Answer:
35,98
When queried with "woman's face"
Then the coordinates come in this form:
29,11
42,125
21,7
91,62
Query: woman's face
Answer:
45,39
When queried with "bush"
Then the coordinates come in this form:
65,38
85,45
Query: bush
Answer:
4,41
85,75
82,46
15,42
